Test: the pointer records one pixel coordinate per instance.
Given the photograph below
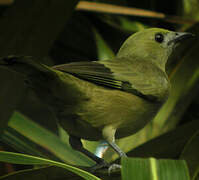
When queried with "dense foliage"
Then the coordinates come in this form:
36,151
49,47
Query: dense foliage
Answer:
33,145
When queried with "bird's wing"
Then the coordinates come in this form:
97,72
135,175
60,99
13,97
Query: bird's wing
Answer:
94,72
125,75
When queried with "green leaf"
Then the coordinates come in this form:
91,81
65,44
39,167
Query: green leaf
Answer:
123,23
191,155
190,9
90,145
20,143
153,169
168,145
104,51
9,97
42,173
47,140
132,26
17,158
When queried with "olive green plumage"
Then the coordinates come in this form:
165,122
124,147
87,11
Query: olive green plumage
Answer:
105,99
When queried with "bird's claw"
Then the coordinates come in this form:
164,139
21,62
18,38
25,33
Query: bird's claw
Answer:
100,165
114,167
104,165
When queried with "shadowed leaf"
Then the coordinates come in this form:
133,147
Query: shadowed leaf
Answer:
153,169
17,158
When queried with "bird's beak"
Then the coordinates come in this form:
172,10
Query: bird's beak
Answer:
180,36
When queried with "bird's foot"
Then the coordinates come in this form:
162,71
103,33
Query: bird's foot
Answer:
114,167
104,166
101,165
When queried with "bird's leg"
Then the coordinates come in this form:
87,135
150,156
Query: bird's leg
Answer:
115,167
76,144
117,149
109,135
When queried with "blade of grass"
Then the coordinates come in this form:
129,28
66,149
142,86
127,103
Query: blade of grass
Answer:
168,145
191,155
103,50
42,173
115,9
47,140
9,97
20,143
153,169
6,2
17,158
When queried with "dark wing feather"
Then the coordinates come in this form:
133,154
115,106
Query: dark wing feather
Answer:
91,71
137,77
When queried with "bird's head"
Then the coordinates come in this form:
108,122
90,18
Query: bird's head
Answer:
153,44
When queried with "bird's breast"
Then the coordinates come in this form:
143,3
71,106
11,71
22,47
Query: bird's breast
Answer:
124,111
84,109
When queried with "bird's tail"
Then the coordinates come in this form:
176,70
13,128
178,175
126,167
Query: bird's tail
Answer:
25,65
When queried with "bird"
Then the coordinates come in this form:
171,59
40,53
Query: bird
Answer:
106,99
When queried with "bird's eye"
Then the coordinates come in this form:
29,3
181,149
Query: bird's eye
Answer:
159,37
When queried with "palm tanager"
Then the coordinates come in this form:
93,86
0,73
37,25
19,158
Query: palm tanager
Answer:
108,99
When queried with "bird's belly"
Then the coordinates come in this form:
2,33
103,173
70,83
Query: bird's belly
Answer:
83,109
136,121
125,112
